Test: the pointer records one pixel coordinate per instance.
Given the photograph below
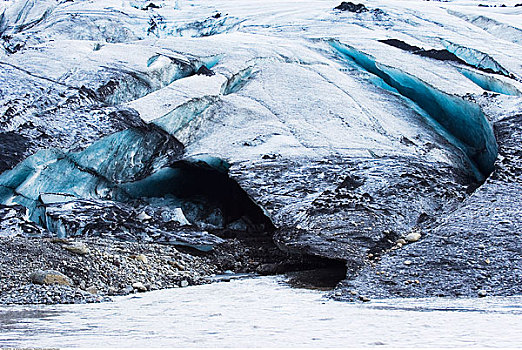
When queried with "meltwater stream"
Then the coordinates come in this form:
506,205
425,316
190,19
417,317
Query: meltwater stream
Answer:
263,312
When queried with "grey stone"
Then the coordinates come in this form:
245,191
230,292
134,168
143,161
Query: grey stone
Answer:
50,277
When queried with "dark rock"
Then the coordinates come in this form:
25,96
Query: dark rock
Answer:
351,7
151,5
203,70
13,148
441,55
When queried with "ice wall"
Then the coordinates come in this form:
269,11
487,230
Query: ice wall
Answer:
141,167
490,83
476,58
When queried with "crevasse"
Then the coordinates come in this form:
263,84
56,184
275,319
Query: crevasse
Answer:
462,119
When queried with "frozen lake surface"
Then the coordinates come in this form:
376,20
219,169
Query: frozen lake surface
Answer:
263,312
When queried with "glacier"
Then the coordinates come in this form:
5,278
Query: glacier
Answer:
189,122
462,119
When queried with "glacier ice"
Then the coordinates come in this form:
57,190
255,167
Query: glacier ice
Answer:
279,133
134,164
490,83
462,119
476,58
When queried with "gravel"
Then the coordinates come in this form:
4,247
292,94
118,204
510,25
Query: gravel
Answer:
106,267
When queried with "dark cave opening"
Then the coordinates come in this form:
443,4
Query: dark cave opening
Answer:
204,192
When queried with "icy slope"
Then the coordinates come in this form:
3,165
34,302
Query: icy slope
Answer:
295,118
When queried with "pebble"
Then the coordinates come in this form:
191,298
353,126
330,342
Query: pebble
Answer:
177,265
126,290
143,258
92,290
144,216
413,236
408,262
77,248
140,287
482,293
59,240
401,241
184,283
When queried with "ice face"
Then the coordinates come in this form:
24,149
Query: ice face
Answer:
490,83
135,164
475,58
462,119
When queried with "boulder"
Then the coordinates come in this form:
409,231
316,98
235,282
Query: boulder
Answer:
50,277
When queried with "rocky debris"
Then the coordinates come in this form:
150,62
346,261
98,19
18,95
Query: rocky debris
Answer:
120,268
474,249
108,269
351,7
50,277
49,294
